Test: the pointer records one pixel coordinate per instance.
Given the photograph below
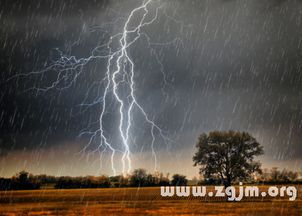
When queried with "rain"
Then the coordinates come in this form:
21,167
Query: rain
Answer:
198,66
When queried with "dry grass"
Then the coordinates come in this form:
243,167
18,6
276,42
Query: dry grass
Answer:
133,201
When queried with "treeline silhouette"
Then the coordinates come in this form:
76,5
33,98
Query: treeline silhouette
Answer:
272,176
21,181
276,176
138,178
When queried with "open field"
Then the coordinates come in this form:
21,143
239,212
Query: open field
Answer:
132,201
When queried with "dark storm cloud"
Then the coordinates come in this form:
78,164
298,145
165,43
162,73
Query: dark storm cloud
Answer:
236,65
239,68
30,31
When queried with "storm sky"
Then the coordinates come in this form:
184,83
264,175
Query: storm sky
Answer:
201,66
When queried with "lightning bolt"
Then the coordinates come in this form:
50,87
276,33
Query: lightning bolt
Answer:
120,73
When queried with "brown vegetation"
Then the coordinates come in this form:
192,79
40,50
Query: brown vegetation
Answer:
132,201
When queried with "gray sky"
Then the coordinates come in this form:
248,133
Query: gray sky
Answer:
208,65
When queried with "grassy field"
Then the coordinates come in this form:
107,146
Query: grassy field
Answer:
137,201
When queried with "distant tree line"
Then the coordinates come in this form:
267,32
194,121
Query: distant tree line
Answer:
21,181
138,178
272,176
275,176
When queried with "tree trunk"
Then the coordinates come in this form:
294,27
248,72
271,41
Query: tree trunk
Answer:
227,183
